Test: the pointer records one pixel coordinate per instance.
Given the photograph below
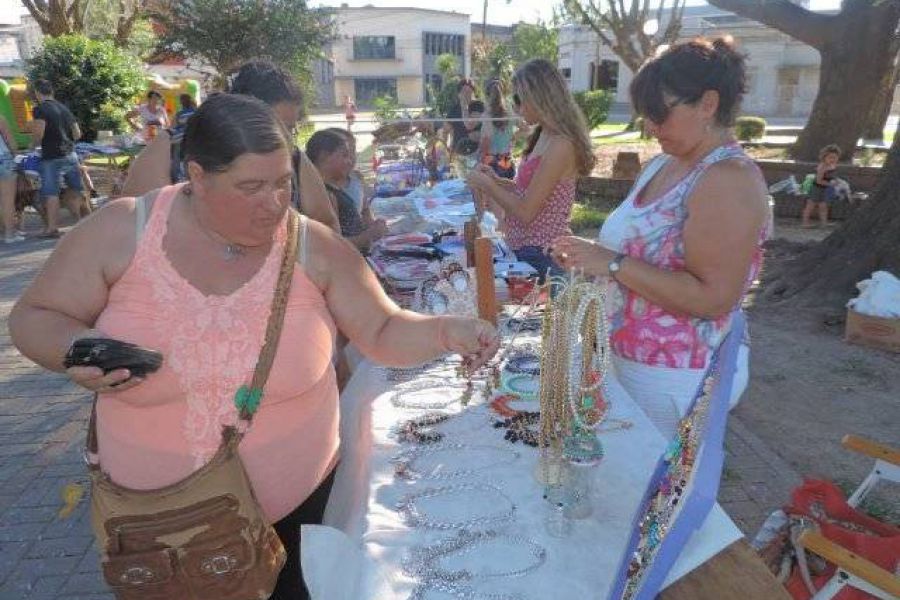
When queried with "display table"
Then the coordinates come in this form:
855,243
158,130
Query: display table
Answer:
364,560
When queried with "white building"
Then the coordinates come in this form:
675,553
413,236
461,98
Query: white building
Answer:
391,51
19,39
783,73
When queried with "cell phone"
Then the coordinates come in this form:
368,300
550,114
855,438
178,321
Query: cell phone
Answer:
109,354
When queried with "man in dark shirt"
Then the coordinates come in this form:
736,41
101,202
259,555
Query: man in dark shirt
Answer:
55,128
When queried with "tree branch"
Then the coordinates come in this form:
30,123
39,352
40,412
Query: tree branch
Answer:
805,25
40,16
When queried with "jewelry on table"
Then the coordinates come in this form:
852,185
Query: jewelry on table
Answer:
526,386
424,563
400,397
524,363
421,429
500,404
414,517
574,363
404,462
521,427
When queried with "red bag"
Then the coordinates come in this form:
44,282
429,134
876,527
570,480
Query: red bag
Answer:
869,538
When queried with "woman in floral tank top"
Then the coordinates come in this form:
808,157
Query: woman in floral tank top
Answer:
685,245
535,208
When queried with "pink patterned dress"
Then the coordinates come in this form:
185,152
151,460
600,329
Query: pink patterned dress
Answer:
553,219
654,232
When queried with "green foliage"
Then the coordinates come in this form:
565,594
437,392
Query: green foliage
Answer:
750,128
304,131
444,100
492,61
595,106
586,217
96,80
447,65
225,33
101,22
540,40
386,108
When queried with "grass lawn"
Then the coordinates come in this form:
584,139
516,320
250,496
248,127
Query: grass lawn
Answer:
586,217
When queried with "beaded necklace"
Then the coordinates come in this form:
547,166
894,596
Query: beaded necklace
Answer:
405,461
574,363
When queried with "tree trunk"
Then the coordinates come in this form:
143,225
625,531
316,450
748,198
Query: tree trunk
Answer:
853,68
881,109
826,274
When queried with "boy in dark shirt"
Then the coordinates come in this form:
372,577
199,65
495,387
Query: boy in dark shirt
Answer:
55,129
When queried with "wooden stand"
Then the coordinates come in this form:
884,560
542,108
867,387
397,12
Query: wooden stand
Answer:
471,231
484,276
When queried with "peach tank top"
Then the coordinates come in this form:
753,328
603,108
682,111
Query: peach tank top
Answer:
160,431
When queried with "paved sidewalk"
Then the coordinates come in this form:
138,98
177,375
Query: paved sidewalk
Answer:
42,422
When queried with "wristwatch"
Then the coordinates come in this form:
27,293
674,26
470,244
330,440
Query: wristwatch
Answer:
615,265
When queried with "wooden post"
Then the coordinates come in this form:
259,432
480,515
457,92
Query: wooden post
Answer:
484,276
470,232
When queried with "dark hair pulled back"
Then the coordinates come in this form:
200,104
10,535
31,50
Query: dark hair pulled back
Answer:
226,126
684,72
267,81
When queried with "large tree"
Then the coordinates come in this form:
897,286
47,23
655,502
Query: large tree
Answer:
868,241
858,50
535,40
64,17
225,33
627,27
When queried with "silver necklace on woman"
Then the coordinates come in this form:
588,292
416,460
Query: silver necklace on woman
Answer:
231,250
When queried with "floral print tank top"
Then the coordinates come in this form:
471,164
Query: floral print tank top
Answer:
654,233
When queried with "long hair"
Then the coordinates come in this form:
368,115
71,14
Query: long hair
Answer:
540,84
496,106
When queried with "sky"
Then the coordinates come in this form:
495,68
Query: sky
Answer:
499,12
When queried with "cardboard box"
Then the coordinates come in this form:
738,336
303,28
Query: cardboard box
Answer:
875,332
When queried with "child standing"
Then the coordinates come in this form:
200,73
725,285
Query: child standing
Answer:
823,190
349,112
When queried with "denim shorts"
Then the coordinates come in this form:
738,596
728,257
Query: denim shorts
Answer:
7,165
540,260
53,169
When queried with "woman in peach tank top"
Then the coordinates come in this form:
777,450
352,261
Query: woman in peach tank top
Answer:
190,271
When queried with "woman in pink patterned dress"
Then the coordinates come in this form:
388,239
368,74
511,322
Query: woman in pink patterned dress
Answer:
683,248
536,208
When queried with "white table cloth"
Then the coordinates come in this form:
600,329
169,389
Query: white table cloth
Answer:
357,554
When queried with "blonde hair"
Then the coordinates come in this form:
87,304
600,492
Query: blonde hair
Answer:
540,84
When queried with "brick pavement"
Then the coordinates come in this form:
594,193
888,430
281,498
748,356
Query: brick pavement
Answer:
42,422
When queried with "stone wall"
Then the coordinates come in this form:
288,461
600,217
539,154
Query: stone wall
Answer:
602,193
861,179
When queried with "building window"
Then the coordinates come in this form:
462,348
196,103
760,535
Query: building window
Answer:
368,89
374,46
605,76
567,73
444,43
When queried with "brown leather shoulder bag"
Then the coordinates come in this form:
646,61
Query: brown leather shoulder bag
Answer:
204,537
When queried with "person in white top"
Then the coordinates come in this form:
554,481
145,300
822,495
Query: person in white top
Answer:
151,113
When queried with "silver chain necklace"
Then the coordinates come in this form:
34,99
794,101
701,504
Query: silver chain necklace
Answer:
231,250
414,517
